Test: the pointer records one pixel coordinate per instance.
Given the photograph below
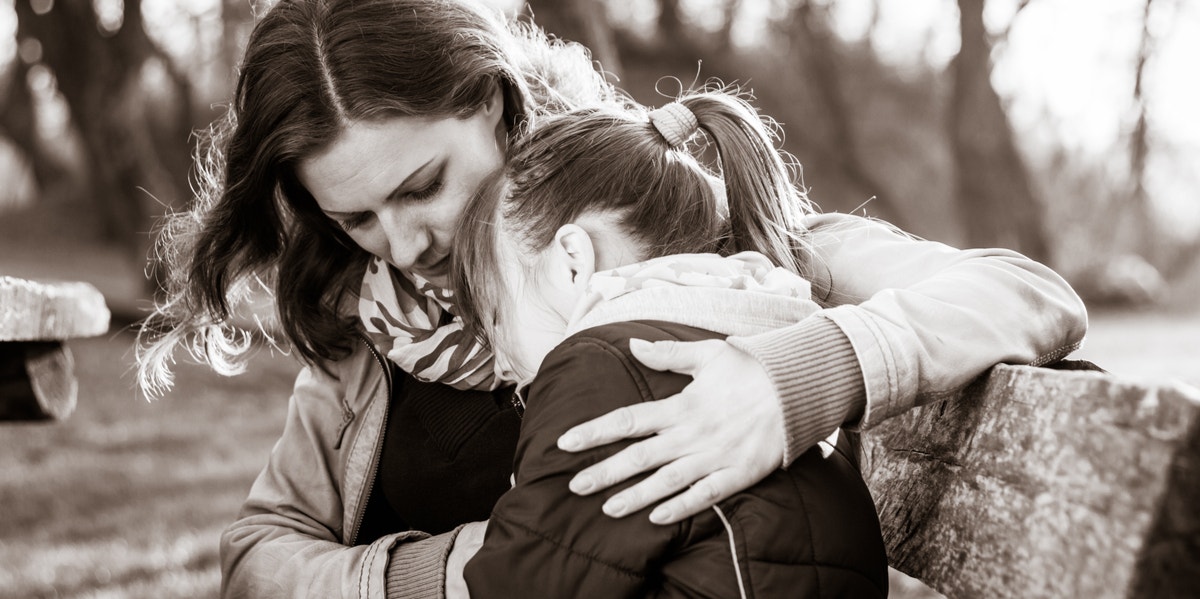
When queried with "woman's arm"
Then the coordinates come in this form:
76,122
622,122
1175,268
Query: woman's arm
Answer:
910,320
288,538
923,319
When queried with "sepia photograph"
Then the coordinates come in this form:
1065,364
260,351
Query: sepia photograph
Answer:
511,299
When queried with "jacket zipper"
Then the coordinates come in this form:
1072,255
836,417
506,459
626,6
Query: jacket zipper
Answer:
370,486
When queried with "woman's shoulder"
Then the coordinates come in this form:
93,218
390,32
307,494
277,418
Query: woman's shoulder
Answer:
350,381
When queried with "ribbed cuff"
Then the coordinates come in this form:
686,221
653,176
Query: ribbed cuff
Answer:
817,375
418,570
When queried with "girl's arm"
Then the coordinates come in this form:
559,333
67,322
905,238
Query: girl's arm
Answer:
909,321
287,540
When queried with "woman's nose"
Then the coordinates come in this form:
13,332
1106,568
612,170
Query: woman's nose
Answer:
407,240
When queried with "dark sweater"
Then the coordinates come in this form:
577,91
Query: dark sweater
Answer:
447,456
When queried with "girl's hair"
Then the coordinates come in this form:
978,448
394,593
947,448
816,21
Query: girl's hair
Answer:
614,161
311,67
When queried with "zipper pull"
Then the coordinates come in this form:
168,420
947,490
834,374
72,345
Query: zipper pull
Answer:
518,402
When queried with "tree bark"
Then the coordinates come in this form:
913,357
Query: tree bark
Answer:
18,122
136,139
995,194
817,49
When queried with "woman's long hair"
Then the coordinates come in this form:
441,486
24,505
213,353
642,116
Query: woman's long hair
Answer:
310,68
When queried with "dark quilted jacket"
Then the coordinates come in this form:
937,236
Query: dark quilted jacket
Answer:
808,531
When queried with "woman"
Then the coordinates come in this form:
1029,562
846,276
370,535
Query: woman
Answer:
603,228
358,130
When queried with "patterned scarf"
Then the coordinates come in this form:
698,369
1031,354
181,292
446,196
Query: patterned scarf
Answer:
413,321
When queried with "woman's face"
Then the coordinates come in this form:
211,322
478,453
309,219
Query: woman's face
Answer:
399,186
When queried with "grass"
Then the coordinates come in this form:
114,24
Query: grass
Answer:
127,498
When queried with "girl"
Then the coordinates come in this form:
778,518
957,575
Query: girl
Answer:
534,262
358,131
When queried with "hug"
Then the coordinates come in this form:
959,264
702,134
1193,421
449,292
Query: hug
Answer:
467,232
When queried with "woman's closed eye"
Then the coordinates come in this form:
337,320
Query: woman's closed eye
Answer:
355,221
425,192
360,219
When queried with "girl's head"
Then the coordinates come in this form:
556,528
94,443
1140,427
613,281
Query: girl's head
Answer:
358,127
599,187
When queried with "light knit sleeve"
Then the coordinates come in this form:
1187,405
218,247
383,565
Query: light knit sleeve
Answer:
817,375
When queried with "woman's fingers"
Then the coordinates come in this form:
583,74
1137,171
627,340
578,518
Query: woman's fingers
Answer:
685,357
637,458
704,494
667,481
720,435
644,419
637,420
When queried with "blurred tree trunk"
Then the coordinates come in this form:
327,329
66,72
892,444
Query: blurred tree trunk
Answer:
725,35
130,106
816,47
583,21
994,192
237,18
670,20
18,122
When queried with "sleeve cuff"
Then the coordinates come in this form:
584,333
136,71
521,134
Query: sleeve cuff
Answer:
817,375
418,570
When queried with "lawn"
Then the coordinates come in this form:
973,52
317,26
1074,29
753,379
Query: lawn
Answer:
127,498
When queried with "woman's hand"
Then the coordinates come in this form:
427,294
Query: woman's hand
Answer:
468,541
721,434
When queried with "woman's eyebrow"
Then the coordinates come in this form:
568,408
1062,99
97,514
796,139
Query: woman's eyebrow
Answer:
400,190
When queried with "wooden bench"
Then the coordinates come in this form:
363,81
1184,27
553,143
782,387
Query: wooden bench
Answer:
37,372
1044,483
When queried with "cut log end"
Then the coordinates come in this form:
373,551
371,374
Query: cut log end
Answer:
37,381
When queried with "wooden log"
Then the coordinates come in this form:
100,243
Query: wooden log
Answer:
37,373
42,311
37,381
1043,483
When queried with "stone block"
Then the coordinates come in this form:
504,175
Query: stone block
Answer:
1044,483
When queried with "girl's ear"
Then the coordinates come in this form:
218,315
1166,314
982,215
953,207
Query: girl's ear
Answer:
573,258
493,107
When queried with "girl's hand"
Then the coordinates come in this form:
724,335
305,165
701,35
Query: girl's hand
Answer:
721,434
468,541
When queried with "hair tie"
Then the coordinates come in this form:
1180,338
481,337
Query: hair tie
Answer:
675,122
